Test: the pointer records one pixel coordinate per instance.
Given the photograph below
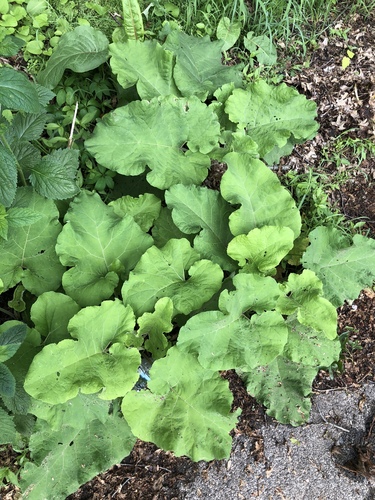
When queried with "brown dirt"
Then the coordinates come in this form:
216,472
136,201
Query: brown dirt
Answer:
346,104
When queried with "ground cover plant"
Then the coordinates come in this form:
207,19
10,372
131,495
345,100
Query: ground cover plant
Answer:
161,270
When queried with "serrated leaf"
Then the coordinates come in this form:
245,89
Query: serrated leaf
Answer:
28,127
154,325
17,92
8,430
3,226
80,50
7,382
283,387
174,271
264,201
8,176
26,154
100,246
10,341
198,69
18,217
55,176
51,313
272,115
228,32
145,209
188,413
262,249
203,211
345,267
116,145
29,256
144,64
61,370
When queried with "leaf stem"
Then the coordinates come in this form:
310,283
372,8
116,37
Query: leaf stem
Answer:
19,169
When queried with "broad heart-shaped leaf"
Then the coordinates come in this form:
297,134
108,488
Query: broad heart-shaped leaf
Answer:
100,245
163,273
51,313
80,50
272,115
10,341
29,256
264,201
303,294
145,64
344,266
262,249
64,459
154,325
228,32
204,211
8,176
283,387
198,70
17,92
144,209
132,137
310,347
186,409
55,176
97,361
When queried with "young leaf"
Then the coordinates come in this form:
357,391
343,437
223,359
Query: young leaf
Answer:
17,92
262,48
100,246
186,409
133,24
144,64
272,115
162,273
265,202
198,70
154,325
8,176
29,256
204,211
55,176
80,50
228,32
145,209
344,267
115,142
97,361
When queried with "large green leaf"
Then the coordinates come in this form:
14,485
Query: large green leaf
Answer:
8,176
188,413
97,361
80,50
271,115
174,271
198,70
81,447
17,92
100,245
116,142
344,266
144,64
204,211
264,201
29,256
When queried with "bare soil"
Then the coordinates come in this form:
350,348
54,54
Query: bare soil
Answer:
346,104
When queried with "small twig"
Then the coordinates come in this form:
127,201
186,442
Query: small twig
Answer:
70,142
4,311
330,423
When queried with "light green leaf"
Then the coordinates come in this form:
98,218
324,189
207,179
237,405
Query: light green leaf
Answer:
18,217
97,361
272,115
264,201
144,64
198,70
228,32
344,266
29,256
80,50
262,48
132,18
51,313
8,176
261,250
55,176
144,209
154,325
17,92
188,413
116,140
283,387
65,459
163,273
10,341
303,294
165,229
36,7
8,429
100,246
203,211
